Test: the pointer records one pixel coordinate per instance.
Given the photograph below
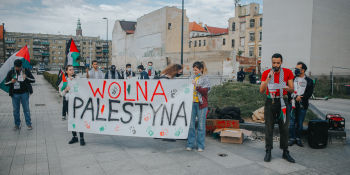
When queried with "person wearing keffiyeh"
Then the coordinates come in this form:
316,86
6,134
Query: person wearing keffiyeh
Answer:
201,87
276,83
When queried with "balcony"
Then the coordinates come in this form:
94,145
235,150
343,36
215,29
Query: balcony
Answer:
37,53
105,50
10,41
36,47
36,42
45,43
45,54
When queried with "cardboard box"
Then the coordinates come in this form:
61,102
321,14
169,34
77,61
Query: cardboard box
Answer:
231,136
213,124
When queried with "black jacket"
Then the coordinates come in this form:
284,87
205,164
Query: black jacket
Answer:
26,83
309,90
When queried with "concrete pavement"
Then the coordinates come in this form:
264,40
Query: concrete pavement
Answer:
45,149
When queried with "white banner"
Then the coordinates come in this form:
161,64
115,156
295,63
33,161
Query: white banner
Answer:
143,108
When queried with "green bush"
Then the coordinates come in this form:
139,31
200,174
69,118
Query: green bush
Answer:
51,78
323,87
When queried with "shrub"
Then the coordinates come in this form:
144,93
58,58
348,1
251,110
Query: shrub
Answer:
51,78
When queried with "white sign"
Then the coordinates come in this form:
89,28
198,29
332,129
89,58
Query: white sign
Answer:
144,108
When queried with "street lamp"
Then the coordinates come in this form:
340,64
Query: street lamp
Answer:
182,35
107,41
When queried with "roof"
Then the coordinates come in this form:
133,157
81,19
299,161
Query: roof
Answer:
128,26
193,26
216,30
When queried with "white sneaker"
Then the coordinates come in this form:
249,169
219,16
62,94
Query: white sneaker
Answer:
63,117
188,149
200,150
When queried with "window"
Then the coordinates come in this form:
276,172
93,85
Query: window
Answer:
252,23
189,44
261,22
53,52
19,40
242,26
251,51
199,43
169,26
26,40
233,43
242,41
260,37
223,41
259,51
195,43
204,42
251,36
233,26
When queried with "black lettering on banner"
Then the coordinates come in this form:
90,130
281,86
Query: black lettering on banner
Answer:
75,104
177,114
165,110
141,110
89,108
111,110
98,111
155,112
126,111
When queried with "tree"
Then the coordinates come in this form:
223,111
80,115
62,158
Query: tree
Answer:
33,62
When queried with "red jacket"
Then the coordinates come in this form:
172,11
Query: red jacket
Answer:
204,93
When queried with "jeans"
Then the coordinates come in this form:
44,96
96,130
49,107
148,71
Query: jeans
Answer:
198,137
296,123
271,113
17,99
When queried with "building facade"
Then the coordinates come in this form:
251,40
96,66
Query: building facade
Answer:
245,31
50,50
316,32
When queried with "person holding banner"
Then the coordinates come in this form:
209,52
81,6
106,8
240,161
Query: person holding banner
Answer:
64,91
128,73
276,83
201,87
170,72
143,73
95,72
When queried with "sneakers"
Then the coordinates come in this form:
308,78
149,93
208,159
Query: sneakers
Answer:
200,150
73,140
63,118
188,149
16,128
299,143
29,127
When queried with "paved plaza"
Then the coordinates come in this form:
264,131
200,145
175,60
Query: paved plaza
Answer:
45,149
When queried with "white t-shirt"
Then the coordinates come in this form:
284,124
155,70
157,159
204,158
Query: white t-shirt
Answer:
300,85
96,74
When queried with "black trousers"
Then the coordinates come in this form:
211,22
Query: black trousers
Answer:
81,134
65,107
271,114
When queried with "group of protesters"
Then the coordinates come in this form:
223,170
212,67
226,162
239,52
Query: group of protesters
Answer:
286,102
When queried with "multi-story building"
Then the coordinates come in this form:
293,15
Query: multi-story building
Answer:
245,31
50,49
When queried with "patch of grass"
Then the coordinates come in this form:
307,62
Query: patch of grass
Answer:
243,95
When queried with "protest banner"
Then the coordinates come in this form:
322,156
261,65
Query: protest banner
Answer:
143,108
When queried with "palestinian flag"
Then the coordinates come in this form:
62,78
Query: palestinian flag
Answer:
73,54
63,83
23,55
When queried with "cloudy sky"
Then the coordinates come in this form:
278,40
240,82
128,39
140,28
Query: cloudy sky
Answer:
60,16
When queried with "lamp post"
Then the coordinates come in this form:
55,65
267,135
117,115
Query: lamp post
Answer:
107,42
182,35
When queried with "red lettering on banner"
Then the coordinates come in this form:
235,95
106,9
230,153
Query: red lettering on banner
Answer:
98,89
139,87
125,99
110,88
155,91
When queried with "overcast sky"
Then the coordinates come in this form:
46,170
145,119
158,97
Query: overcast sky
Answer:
60,16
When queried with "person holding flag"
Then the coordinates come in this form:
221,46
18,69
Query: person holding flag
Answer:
64,88
277,82
18,84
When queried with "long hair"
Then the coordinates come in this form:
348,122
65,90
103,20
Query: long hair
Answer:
201,66
172,70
